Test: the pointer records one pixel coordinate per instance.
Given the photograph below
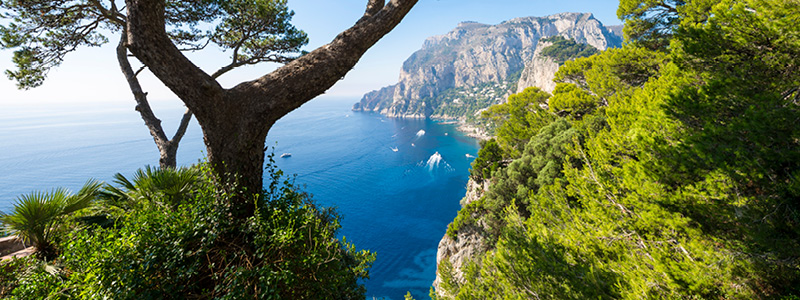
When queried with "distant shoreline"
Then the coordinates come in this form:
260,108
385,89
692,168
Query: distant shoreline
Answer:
473,131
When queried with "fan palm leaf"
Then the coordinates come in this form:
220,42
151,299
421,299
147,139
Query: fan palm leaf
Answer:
36,217
164,187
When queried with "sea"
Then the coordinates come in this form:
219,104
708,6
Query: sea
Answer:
396,182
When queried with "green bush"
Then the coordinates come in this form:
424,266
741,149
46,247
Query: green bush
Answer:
10,272
466,216
489,159
288,250
570,100
519,119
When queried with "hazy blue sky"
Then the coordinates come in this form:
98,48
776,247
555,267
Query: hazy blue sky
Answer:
93,74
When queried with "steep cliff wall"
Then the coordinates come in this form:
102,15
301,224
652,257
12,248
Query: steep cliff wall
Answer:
477,65
468,244
539,71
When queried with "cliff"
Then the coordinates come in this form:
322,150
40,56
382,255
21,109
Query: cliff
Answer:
468,244
476,65
539,71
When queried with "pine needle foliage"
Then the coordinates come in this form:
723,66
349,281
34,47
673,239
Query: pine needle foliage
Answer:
681,180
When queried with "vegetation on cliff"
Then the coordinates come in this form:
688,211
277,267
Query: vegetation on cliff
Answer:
657,170
563,49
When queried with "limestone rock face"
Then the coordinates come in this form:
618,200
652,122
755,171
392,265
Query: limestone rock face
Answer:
372,99
477,65
539,71
469,242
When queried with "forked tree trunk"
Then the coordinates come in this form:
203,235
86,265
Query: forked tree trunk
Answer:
235,121
167,155
167,148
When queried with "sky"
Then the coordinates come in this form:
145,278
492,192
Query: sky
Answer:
92,74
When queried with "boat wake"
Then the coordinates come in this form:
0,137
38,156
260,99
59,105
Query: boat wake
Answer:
436,162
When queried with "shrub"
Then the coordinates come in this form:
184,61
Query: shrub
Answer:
287,250
489,159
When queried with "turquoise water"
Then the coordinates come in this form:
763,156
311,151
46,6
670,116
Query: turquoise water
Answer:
396,203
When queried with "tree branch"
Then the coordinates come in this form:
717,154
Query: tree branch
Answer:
235,63
142,105
227,68
198,48
310,75
136,74
187,116
252,61
148,40
373,7
258,103
791,95
112,15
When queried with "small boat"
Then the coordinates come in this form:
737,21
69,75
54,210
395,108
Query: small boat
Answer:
395,149
412,145
285,155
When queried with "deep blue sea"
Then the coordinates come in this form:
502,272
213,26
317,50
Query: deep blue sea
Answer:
396,203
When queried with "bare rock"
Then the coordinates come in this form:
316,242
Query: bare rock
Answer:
539,72
468,244
473,55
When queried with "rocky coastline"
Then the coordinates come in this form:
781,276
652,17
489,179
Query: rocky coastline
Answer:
478,65
474,131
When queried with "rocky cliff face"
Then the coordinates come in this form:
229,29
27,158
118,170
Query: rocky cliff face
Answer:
539,71
477,65
468,244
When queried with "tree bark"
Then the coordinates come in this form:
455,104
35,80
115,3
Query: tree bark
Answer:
235,121
167,148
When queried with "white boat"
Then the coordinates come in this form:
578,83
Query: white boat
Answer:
286,155
395,149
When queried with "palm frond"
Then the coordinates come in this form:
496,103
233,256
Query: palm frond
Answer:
163,187
88,193
124,182
33,215
36,216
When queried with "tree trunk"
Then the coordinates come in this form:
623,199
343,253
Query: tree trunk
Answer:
168,155
235,121
237,158
168,149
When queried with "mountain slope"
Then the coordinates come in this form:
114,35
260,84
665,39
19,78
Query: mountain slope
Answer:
477,65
